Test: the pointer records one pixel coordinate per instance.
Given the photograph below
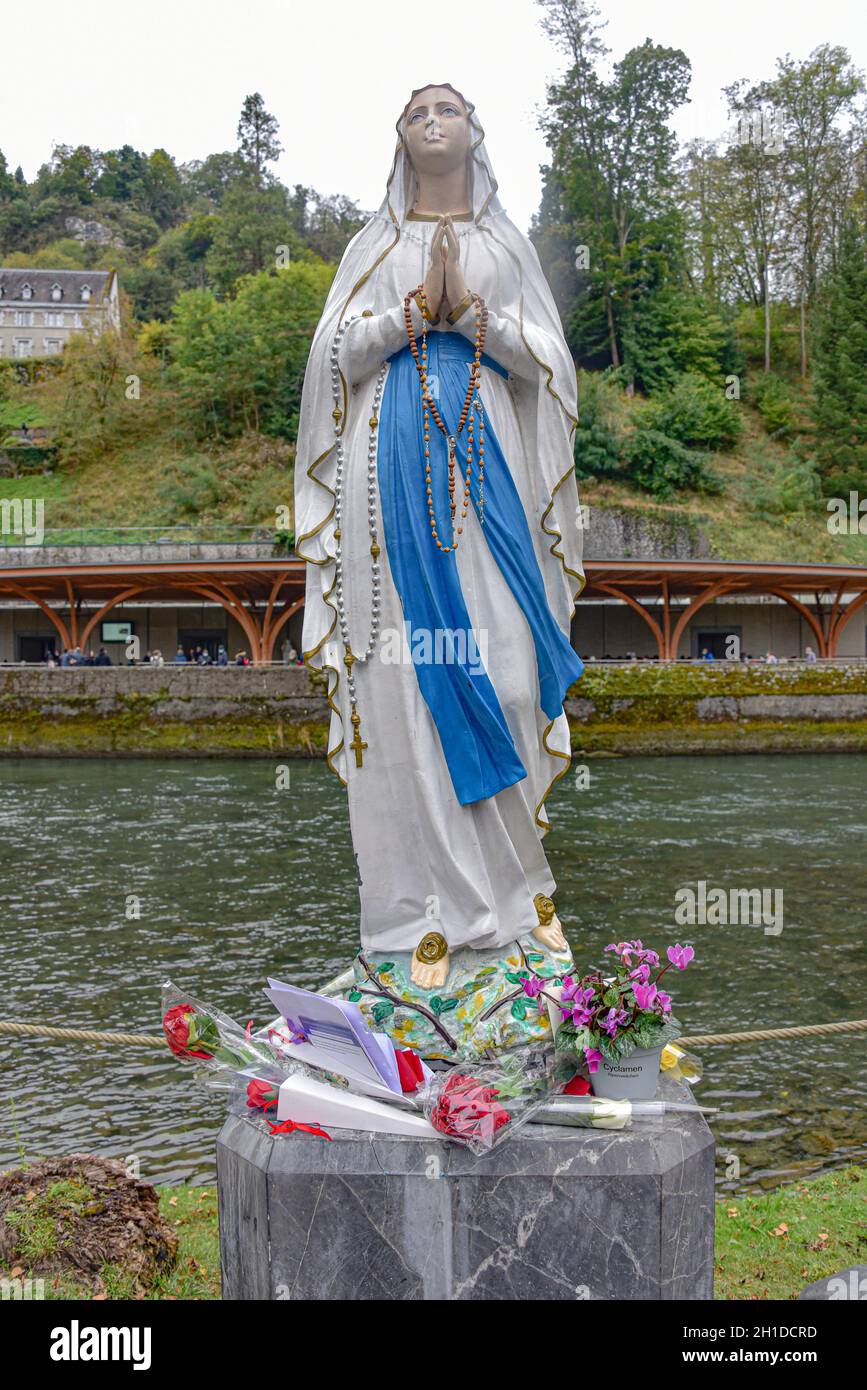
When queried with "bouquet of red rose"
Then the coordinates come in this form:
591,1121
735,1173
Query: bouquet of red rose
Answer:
482,1108
204,1036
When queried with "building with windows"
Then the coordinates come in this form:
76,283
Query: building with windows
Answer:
41,309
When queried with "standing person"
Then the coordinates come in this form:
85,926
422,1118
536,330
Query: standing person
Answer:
180,657
222,656
810,655
102,658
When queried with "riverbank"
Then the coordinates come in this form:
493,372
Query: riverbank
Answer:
767,1247
639,708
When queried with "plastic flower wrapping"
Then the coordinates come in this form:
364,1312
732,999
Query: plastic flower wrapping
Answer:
233,1057
477,1103
481,1106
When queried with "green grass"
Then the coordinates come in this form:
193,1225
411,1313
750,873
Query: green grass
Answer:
40,1226
192,1212
771,1246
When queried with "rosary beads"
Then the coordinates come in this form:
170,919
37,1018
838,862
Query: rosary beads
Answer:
350,658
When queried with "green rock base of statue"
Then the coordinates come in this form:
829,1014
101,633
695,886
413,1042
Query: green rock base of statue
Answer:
479,1011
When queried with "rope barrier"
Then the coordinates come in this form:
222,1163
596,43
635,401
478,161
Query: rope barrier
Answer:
42,1030
807,1030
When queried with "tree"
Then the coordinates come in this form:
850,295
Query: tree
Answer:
753,222
252,225
239,363
809,98
611,183
840,368
257,137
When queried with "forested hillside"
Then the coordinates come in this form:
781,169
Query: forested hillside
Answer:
714,297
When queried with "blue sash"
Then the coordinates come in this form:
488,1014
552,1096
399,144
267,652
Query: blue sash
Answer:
478,748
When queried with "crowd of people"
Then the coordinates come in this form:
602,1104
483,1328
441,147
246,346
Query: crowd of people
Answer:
191,656
769,658
74,656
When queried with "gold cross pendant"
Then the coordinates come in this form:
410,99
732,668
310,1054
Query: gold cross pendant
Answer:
356,744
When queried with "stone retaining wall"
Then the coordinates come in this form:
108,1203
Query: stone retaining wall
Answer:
224,711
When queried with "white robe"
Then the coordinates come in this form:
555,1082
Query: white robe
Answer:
425,862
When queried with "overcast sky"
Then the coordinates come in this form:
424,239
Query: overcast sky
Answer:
173,73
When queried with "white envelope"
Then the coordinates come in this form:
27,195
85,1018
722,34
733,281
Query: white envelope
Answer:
310,1102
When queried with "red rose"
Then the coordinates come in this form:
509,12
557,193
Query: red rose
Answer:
177,1030
578,1086
262,1095
467,1110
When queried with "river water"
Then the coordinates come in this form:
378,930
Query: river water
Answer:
234,879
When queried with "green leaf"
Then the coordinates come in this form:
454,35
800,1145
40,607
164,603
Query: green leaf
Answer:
519,1009
385,967
383,1010
354,995
487,970
516,978
449,1004
533,956
436,1004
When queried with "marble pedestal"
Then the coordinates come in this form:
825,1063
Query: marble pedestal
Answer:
554,1213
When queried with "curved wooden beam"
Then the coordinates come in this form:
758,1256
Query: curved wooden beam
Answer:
722,586
272,599
639,608
235,607
73,613
53,616
107,607
270,636
806,615
842,619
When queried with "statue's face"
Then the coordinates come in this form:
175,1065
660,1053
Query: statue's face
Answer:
437,131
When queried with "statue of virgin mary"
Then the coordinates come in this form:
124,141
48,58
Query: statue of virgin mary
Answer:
437,510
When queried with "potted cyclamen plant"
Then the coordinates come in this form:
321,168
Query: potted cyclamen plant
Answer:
621,1023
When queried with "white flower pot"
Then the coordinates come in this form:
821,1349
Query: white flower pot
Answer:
633,1078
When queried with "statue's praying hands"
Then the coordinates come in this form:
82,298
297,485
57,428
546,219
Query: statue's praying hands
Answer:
444,284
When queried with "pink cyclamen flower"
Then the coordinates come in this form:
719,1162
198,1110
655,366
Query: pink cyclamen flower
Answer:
644,995
570,988
533,987
613,1020
680,956
641,974
593,1057
664,1001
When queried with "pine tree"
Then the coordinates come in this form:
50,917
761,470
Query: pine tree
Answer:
257,136
840,376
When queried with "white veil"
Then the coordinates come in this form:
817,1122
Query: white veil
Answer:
372,277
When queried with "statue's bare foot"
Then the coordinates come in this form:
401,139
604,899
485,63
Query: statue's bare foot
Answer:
551,935
549,931
429,968
429,976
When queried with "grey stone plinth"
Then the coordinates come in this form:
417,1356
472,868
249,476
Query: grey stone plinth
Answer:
848,1285
553,1213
